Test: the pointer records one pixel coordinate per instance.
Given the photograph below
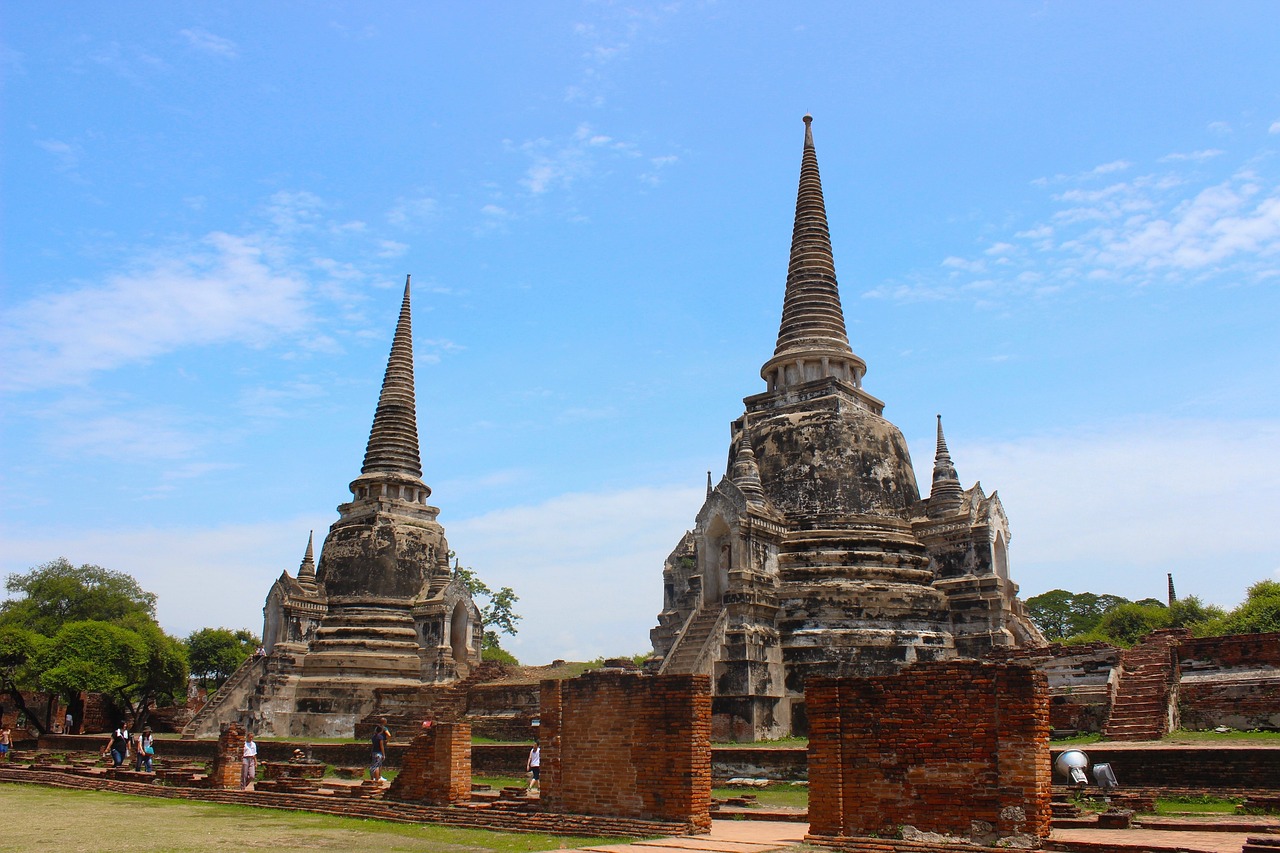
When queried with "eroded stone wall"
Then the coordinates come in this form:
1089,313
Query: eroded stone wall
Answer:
1230,681
959,748
628,745
436,769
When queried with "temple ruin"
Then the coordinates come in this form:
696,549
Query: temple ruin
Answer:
382,613
815,554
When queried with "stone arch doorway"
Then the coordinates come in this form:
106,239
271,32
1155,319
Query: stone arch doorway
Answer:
719,560
460,633
1000,556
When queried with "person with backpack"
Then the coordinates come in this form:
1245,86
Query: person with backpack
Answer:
118,746
146,751
379,742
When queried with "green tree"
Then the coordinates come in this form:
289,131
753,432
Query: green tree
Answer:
19,649
56,593
1260,611
1192,613
1130,622
497,610
1051,613
215,653
162,679
92,656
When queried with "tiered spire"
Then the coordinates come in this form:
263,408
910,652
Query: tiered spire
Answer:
812,342
307,570
746,474
946,495
393,441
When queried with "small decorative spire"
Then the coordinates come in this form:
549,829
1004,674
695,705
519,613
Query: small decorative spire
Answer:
393,440
708,484
746,474
307,569
946,495
1173,596
812,342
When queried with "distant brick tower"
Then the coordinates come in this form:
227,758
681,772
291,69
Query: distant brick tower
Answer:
381,612
815,555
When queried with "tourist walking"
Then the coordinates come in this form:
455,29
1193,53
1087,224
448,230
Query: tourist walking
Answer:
249,763
6,742
534,766
118,746
381,734
146,751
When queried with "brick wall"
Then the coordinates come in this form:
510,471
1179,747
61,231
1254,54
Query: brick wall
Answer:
1230,681
227,761
628,745
436,769
1238,650
938,746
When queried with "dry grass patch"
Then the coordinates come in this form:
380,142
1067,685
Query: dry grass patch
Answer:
40,818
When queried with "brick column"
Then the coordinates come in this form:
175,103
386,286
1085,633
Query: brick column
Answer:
622,744
436,769
960,748
226,762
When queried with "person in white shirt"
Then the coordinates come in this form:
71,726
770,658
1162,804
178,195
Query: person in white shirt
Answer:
534,766
249,764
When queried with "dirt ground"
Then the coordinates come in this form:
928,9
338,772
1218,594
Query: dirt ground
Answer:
38,818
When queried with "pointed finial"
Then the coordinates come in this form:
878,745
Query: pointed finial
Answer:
1173,596
946,495
708,484
307,569
746,474
393,440
812,341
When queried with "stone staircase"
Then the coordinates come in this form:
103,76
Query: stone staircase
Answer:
690,648
1141,708
235,688
444,702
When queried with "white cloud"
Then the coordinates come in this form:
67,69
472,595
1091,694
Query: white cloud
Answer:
587,567
1275,127
1111,508
206,42
1165,227
413,212
226,289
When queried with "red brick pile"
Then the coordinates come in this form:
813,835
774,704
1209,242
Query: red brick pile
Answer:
436,770
628,745
938,746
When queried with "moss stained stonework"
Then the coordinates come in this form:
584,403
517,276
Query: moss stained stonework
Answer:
381,613
815,555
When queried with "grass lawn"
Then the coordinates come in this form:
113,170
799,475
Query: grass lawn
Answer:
1195,805
778,795
100,822
1184,736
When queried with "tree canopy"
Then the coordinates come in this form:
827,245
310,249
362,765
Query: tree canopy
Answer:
497,610
55,593
215,653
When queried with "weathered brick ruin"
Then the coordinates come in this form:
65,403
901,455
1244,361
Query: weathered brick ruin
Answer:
382,611
225,773
436,769
959,748
815,555
626,744
1169,680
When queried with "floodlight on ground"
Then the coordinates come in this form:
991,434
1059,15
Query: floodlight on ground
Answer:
1072,764
1105,778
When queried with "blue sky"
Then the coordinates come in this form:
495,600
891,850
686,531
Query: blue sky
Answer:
1058,224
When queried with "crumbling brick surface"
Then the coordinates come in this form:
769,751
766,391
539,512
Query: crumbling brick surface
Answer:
227,760
959,748
436,770
628,745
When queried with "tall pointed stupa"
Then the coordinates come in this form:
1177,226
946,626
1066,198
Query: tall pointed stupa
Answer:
805,559
381,612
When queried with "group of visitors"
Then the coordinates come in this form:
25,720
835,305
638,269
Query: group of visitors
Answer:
141,745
